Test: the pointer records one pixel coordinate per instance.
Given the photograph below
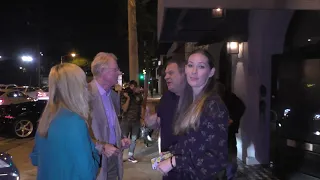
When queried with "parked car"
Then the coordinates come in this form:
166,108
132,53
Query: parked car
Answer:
21,119
7,86
9,96
30,91
44,94
8,170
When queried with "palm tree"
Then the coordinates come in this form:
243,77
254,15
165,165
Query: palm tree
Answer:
133,41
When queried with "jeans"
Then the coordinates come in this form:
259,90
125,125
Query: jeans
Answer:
133,129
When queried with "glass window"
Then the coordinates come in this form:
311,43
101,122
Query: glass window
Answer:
13,94
20,94
10,87
30,89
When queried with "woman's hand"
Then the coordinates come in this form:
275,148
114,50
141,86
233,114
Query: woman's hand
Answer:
165,166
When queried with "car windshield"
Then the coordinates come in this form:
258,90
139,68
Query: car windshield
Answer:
19,89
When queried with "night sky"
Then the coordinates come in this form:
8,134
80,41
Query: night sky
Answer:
59,29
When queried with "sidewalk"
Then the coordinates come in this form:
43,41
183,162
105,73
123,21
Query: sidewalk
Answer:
141,170
138,171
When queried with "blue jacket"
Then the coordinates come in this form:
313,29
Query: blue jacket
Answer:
68,152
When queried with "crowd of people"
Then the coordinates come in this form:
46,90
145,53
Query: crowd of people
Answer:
85,127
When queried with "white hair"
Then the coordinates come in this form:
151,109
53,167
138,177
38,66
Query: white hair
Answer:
100,62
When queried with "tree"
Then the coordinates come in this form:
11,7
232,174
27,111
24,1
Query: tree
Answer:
146,24
81,62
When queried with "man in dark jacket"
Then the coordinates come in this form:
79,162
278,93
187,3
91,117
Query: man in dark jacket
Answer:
236,109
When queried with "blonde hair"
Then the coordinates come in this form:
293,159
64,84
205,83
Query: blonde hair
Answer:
100,62
67,89
190,118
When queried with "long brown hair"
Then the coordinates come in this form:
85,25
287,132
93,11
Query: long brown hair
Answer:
190,118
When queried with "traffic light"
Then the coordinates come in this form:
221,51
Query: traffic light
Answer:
141,77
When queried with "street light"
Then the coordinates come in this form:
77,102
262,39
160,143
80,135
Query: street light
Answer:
27,58
72,55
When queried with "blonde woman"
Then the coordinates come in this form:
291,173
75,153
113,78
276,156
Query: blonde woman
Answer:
63,148
202,148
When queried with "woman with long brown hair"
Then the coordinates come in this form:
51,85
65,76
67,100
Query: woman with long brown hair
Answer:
202,149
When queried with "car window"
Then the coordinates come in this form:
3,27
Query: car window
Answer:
20,94
19,89
30,89
13,94
1,93
10,87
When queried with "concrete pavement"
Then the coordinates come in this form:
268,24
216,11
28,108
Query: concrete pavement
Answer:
138,171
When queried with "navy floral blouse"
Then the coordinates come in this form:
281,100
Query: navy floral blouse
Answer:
203,153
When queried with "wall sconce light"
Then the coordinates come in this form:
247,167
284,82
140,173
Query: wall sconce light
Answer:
217,13
232,47
241,50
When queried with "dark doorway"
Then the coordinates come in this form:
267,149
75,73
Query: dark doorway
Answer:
225,68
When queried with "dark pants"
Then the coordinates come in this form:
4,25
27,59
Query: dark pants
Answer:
232,165
131,128
172,175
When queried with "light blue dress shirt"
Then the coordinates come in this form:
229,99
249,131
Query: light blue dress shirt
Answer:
110,112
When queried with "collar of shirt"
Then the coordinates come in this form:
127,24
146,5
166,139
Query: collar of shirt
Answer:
101,90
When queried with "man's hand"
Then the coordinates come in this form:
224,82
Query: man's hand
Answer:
126,95
117,87
230,121
151,120
143,124
109,150
125,143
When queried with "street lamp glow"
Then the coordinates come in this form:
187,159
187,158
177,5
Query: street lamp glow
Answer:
27,58
73,55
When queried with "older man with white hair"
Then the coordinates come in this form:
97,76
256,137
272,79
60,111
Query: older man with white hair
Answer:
105,107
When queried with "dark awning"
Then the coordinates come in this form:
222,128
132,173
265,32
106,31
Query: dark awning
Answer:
196,25
191,20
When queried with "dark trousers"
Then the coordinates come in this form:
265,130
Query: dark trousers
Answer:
232,165
173,175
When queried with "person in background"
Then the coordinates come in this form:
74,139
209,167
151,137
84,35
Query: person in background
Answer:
131,103
105,107
118,89
236,109
170,106
202,148
63,148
